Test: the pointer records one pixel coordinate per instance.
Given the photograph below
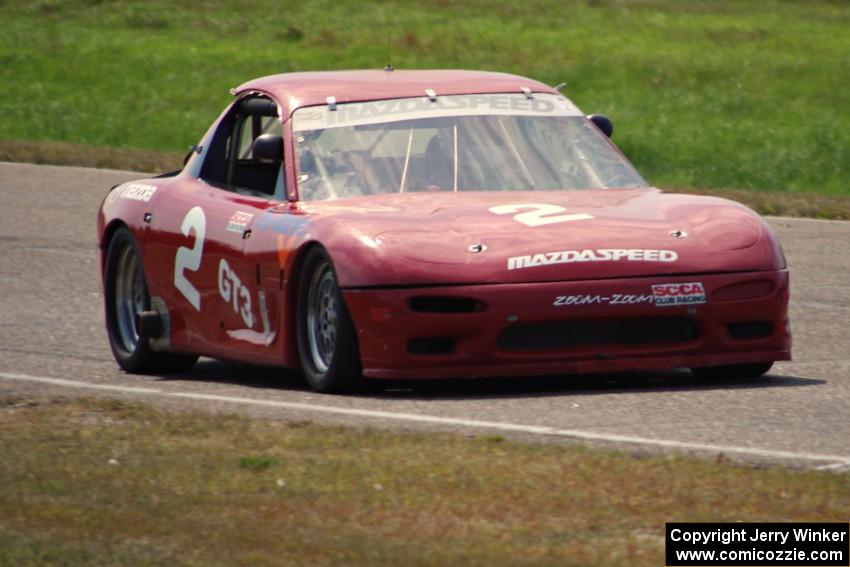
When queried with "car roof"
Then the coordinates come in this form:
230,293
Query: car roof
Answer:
295,90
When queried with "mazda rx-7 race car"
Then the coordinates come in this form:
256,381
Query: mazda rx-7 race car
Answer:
426,224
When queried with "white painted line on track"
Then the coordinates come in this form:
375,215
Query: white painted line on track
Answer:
834,467
79,384
832,462
806,219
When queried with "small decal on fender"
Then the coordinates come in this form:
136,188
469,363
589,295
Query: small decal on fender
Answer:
239,222
133,191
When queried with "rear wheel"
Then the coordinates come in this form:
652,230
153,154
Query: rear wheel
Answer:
327,342
125,296
752,370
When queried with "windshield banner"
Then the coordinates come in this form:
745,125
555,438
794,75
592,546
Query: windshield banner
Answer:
395,110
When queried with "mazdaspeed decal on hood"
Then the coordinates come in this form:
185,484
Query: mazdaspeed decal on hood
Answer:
591,255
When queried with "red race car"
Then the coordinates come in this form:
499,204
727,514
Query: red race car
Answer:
426,224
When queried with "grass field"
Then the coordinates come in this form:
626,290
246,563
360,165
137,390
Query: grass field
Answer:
91,482
704,93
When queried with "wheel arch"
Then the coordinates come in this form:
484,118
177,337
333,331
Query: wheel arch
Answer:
290,299
106,240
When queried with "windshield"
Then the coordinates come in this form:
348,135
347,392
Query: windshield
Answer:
455,143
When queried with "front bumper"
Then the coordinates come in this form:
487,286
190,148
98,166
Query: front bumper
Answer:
597,326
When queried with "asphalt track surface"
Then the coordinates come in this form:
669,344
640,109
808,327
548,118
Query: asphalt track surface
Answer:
52,342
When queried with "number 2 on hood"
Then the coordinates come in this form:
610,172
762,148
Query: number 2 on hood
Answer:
541,213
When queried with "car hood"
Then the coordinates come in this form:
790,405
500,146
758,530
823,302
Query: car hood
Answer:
502,237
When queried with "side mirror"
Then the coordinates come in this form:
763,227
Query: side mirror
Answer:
268,148
603,123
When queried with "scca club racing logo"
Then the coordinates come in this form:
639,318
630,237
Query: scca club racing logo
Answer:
673,294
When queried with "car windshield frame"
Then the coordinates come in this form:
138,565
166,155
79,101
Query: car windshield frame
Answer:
477,142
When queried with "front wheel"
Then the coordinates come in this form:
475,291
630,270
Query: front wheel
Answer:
125,296
327,342
752,370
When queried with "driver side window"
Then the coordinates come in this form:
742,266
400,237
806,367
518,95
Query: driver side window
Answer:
230,162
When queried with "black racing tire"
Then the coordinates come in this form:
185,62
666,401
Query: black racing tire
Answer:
327,340
125,294
752,370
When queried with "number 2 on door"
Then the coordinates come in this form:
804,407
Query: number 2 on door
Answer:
190,258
